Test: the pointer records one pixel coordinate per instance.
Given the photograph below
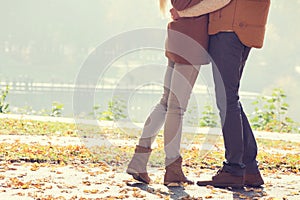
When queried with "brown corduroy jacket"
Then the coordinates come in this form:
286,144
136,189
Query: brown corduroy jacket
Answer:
187,39
247,18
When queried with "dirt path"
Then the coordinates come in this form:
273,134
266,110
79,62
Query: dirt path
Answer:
45,181
101,181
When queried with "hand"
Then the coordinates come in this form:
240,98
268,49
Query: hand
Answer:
174,14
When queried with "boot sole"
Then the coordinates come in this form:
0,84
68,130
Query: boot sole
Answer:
173,184
178,183
135,175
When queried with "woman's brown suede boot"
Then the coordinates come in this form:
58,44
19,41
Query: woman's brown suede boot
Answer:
138,164
174,175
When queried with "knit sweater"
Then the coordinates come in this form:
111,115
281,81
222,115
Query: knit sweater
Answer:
203,7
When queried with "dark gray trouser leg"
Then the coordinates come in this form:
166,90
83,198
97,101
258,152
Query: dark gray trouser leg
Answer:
229,56
250,147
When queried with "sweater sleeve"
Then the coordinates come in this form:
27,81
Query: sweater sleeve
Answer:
203,7
184,4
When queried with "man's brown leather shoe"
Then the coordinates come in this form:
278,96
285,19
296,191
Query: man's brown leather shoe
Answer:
224,179
254,180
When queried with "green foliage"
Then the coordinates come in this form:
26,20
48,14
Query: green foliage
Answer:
270,114
191,115
208,117
4,106
115,110
56,110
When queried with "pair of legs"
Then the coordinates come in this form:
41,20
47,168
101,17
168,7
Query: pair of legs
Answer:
229,56
178,84
240,168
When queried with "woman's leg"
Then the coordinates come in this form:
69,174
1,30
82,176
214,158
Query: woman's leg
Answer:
156,119
182,82
138,164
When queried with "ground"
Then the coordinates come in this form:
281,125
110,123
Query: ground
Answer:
36,165
100,181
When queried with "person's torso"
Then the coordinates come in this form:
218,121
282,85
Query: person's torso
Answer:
187,40
247,18
187,37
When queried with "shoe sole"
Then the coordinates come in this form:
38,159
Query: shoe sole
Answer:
254,185
221,185
171,184
136,176
177,184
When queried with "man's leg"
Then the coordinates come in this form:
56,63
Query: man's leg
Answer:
227,52
250,146
229,56
253,177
